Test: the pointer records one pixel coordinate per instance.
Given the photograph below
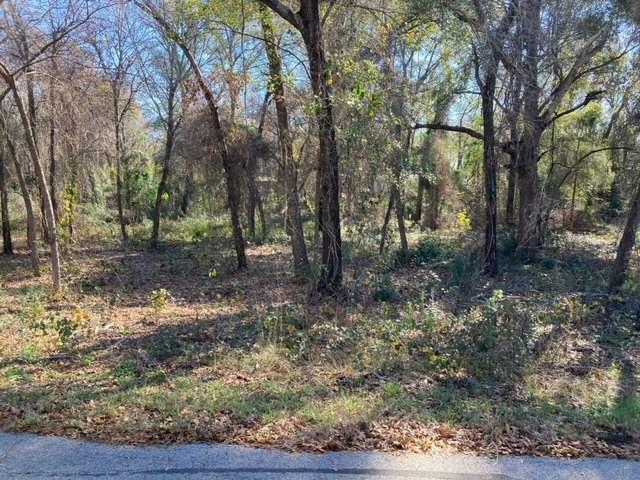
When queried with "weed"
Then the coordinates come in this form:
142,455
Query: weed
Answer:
160,299
383,289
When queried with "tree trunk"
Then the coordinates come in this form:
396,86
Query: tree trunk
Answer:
186,195
33,122
529,199
254,201
395,187
294,216
530,208
572,210
118,138
52,169
627,242
385,225
28,203
441,111
164,178
230,168
432,219
490,165
511,192
7,245
251,205
423,184
328,159
42,180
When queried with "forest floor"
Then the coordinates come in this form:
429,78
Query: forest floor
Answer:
173,345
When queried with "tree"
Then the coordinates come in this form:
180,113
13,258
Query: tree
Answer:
307,21
26,197
7,244
164,75
627,242
539,111
230,167
10,78
486,77
114,45
290,167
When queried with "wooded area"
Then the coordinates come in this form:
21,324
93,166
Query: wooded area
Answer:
419,209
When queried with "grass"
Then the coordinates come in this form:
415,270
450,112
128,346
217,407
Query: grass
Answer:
149,347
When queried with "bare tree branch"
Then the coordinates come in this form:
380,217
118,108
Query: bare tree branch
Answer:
449,128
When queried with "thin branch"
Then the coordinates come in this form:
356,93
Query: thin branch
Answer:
285,12
450,128
590,97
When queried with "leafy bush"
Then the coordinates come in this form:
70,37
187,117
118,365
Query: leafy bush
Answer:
431,250
495,338
64,325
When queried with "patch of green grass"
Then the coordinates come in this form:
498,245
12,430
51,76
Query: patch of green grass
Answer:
30,352
124,369
625,413
17,374
346,407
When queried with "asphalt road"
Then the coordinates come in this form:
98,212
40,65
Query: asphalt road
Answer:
34,457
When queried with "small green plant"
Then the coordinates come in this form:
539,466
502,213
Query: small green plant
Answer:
30,352
17,374
430,250
391,389
631,286
160,299
66,327
383,289
463,221
34,313
70,197
463,271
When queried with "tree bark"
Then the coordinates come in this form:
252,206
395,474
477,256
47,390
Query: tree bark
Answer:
423,184
53,169
56,275
294,216
230,169
385,224
7,244
442,108
432,219
28,203
396,192
490,165
328,159
511,193
164,177
187,194
626,244
529,215
529,199
119,151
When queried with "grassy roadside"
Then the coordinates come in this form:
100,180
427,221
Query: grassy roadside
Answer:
172,346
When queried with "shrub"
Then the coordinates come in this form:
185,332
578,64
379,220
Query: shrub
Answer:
495,338
463,271
431,249
64,325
